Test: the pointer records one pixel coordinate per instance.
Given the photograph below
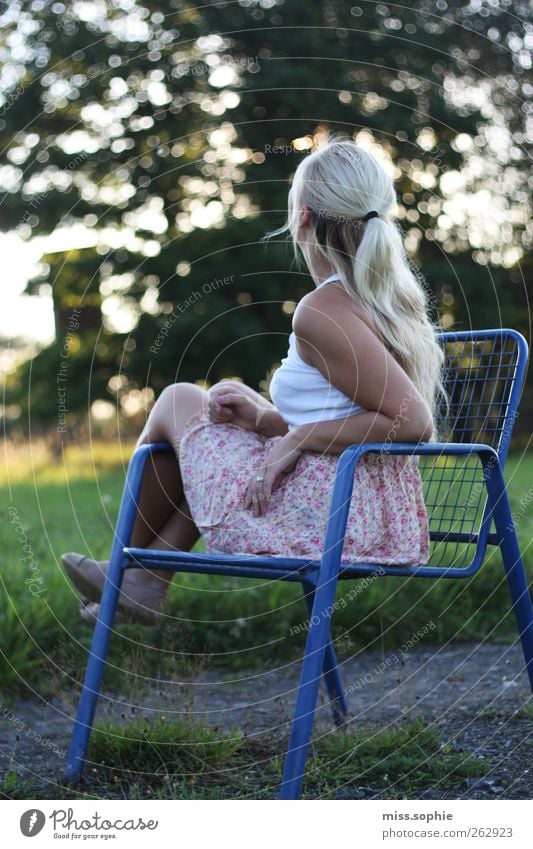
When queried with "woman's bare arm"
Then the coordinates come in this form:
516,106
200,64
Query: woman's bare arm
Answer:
333,338
332,437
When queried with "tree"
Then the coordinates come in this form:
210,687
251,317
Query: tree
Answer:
156,125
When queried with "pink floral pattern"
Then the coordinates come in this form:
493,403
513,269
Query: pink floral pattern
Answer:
387,521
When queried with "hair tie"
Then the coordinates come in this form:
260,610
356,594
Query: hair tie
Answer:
369,215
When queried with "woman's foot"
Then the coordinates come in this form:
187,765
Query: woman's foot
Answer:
89,611
142,595
87,575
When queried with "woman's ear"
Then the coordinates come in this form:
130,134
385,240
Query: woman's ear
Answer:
305,216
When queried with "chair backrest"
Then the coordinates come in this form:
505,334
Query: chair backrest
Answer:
483,378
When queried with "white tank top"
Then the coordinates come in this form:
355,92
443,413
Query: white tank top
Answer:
301,393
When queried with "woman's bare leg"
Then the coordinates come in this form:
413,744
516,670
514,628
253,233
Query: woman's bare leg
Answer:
161,494
164,519
178,532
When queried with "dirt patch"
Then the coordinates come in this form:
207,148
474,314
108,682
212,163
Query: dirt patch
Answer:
477,696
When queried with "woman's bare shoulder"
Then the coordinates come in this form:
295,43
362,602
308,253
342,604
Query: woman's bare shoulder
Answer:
328,306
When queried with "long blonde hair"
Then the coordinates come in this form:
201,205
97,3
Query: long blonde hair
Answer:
339,183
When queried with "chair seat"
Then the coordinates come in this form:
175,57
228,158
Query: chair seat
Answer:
243,565
281,568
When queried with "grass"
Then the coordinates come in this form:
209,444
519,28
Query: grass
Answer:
181,760
56,504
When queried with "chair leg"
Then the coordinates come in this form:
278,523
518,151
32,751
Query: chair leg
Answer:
520,595
332,677
94,672
304,712
108,605
513,564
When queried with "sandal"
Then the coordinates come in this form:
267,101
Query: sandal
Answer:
87,575
139,601
89,611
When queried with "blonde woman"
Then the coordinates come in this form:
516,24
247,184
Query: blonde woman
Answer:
363,365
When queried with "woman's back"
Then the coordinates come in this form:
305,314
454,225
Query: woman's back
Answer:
302,394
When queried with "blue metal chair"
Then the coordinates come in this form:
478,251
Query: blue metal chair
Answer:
465,497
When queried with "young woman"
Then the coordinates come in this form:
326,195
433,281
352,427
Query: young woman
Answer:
363,365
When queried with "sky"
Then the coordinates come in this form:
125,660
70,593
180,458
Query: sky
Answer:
21,315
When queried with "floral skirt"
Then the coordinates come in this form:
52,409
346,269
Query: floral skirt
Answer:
387,521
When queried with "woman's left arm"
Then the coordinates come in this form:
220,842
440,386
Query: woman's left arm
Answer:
352,358
332,437
345,349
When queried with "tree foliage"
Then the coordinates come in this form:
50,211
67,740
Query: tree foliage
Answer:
167,134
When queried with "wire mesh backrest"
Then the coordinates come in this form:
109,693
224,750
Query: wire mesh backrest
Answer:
483,377
479,376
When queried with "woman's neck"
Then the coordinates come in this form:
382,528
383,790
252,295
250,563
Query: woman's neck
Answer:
319,269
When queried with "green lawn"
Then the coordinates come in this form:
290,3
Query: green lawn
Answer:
181,760
70,502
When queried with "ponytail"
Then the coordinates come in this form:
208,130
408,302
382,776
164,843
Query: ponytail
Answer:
340,183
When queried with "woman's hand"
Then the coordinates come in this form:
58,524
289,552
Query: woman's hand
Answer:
228,404
281,460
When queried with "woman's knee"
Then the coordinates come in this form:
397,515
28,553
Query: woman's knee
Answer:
182,392
174,406
226,383
179,401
